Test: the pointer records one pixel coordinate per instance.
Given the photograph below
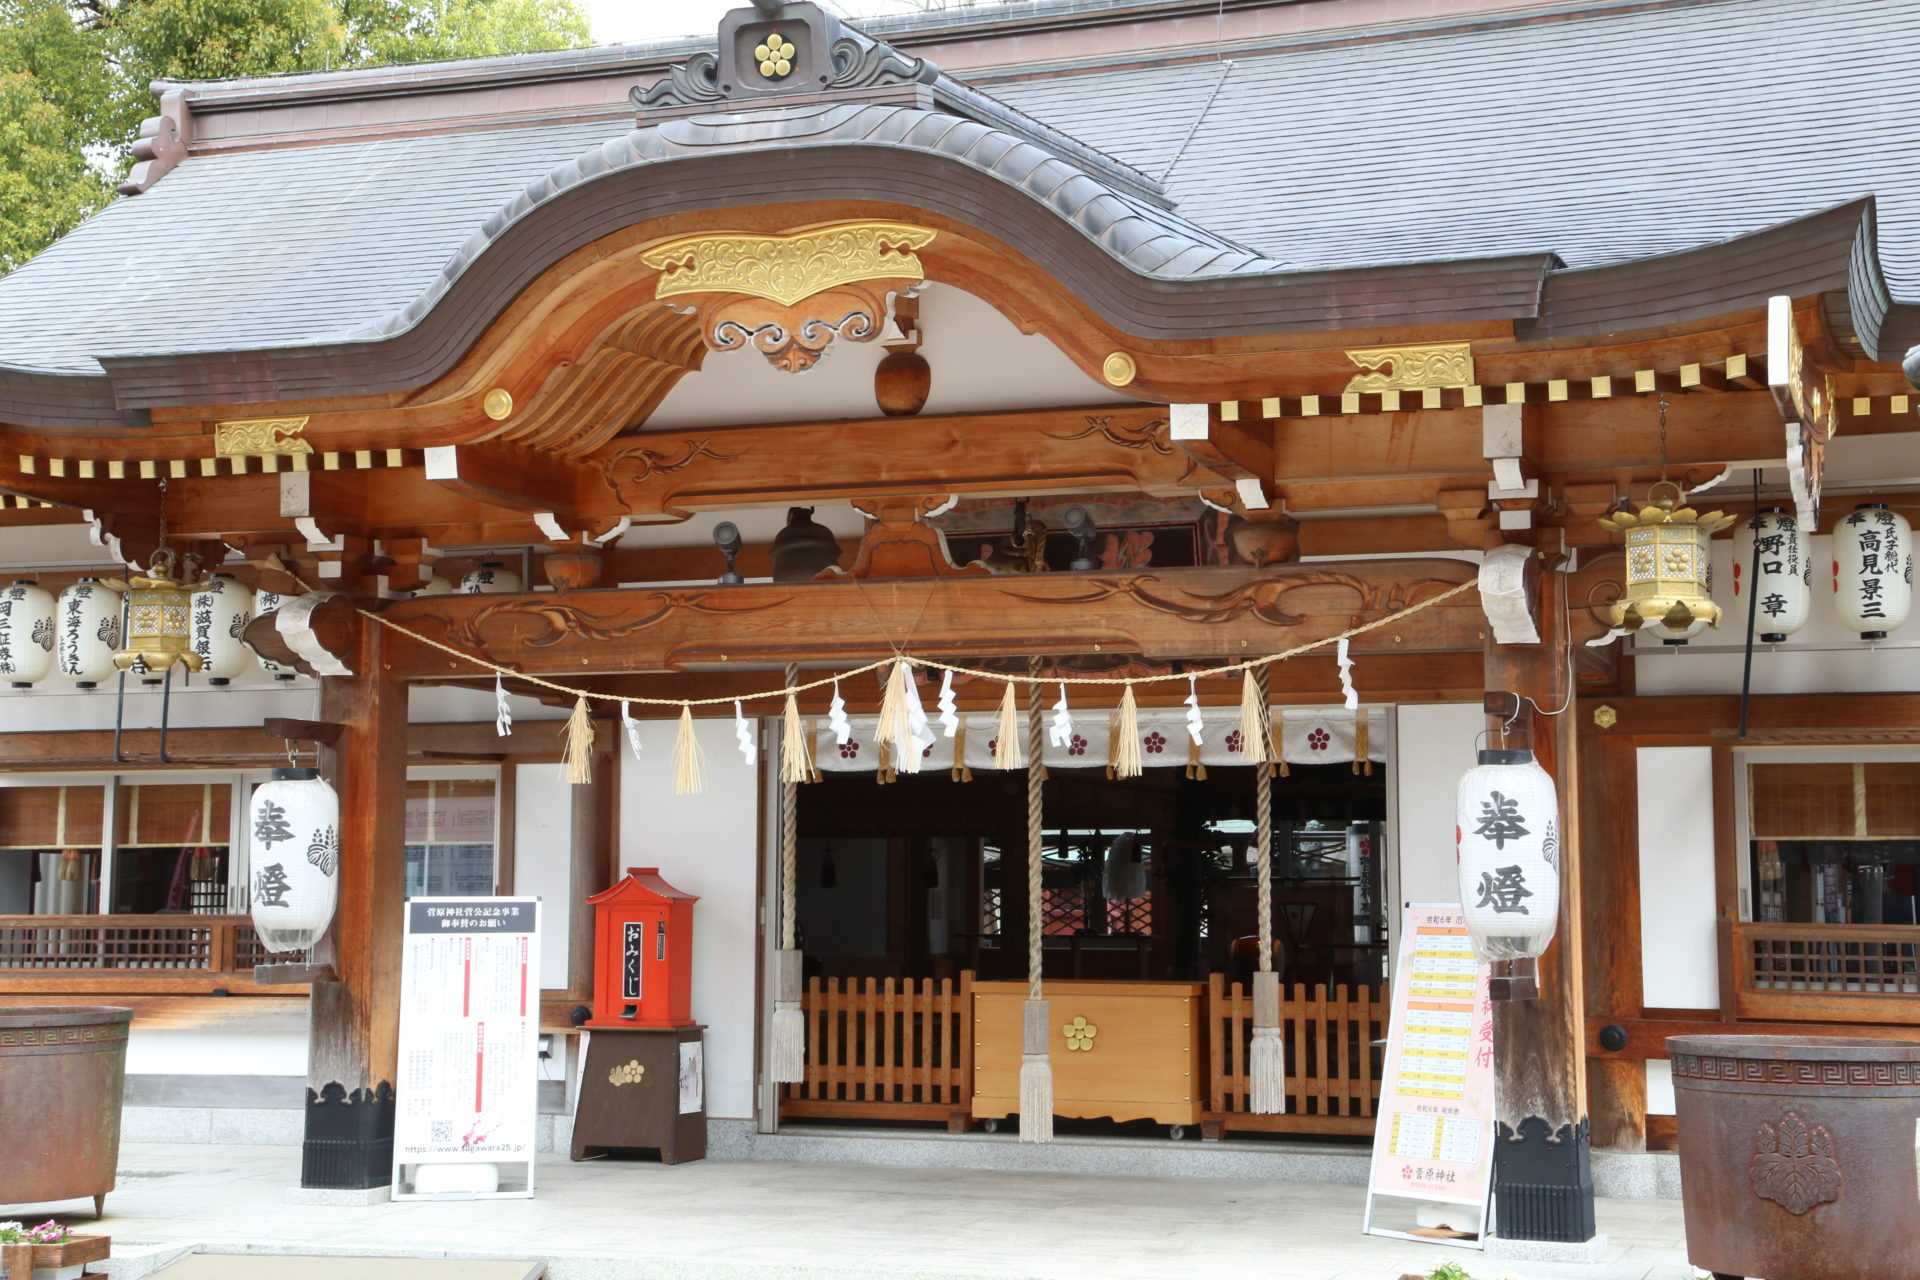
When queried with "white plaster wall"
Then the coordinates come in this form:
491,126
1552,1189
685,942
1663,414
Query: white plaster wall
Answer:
1679,961
708,845
1434,748
208,1052
542,842
1659,1087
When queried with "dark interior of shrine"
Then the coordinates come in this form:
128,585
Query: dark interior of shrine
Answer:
1148,878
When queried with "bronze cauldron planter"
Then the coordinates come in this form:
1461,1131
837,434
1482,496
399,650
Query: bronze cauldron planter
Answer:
62,1080
1797,1155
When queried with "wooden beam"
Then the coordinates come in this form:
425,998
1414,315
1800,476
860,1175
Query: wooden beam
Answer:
511,477
1185,613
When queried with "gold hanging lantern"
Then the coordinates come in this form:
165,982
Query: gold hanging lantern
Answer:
158,622
1669,587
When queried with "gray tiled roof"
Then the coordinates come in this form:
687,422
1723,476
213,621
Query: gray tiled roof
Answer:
1601,139
1610,137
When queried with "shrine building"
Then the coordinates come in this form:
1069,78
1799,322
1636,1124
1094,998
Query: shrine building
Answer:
1041,500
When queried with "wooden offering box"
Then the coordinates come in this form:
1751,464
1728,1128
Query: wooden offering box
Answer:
1140,1060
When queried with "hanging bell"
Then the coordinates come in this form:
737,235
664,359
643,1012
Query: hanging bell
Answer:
159,632
803,548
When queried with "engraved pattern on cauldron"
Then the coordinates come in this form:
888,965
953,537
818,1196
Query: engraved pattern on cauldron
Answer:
1796,1165
1766,1071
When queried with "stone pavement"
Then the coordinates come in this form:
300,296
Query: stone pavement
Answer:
766,1220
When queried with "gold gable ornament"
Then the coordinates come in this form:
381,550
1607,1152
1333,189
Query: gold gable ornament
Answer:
1431,365
260,438
788,296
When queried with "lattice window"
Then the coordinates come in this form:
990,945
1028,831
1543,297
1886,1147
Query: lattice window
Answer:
1062,911
1134,915
990,910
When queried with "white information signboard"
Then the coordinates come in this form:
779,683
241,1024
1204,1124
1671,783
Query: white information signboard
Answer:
1433,1136
469,1049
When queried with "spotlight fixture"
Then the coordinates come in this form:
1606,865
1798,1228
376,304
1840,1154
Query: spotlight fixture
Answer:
726,536
1081,526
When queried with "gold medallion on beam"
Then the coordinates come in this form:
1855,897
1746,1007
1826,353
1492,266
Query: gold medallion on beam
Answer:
1119,369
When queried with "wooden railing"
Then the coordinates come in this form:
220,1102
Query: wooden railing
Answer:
1827,972
131,954
1333,1064
886,1049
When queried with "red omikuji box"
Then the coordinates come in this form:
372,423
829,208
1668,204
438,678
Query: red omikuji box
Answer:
642,953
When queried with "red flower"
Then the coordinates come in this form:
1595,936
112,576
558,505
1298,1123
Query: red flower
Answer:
1155,743
1319,739
849,749
1078,747
926,751
993,745
1233,741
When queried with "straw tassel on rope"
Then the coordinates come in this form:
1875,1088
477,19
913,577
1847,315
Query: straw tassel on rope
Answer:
789,1023
1267,1061
1036,1044
1006,742
689,762
1126,757
961,773
1253,718
580,743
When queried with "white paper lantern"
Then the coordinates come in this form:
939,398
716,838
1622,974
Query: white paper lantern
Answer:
87,631
1783,591
1873,570
293,863
222,608
491,578
1507,831
264,603
435,585
26,633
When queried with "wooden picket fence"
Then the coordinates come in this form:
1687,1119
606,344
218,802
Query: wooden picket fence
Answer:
1333,1064
885,1049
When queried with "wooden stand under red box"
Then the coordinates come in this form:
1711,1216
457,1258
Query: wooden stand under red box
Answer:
643,1089
642,953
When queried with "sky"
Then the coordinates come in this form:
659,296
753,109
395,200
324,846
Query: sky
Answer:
619,20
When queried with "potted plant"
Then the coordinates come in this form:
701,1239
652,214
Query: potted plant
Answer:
47,1252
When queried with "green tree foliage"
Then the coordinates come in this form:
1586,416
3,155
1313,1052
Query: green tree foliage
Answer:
75,77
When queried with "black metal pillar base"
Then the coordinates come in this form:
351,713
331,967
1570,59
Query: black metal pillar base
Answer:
349,1140
1543,1182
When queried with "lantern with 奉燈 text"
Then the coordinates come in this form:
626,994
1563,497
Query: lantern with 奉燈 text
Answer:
222,608
1669,590
86,631
1773,548
1507,831
1873,570
293,864
26,633
491,578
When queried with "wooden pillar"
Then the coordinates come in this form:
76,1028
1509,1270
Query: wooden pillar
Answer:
1542,1173
590,852
355,1021
1610,882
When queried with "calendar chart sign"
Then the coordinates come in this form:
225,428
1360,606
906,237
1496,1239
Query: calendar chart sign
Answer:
1434,1140
469,1055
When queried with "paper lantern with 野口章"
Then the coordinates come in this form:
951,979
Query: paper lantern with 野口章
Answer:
222,608
1669,589
86,631
293,861
1507,829
1782,572
1873,570
265,603
26,633
491,578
